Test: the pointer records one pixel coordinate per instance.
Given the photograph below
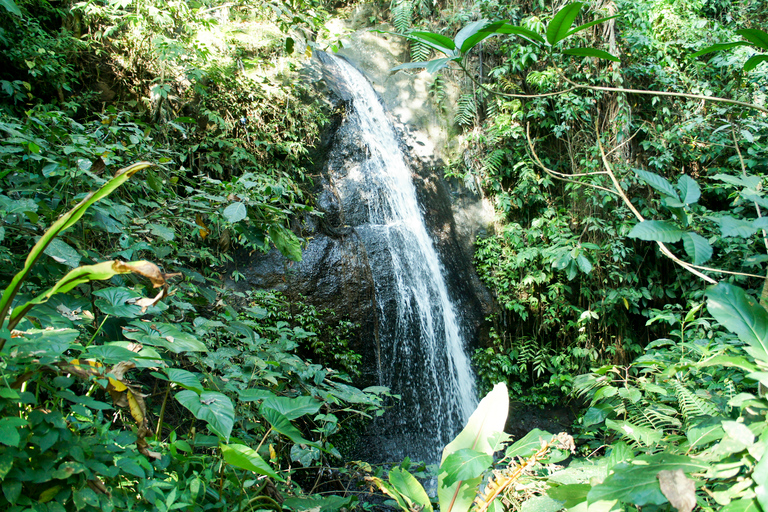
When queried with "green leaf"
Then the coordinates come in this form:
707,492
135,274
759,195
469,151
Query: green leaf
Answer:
488,419
212,407
11,7
689,189
591,24
253,395
185,379
656,231
752,182
731,226
753,61
63,253
292,408
705,430
437,42
76,277
697,247
115,302
742,505
488,31
163,232
235,212
658,182
64,222
591,52
464,464
246,458
559,27
757,37
435,65
9,434
532,36
719,47
410,488
321,503
741,314
163,335
760,476
284,426
286,242
646,436
636,482
584,264
473,33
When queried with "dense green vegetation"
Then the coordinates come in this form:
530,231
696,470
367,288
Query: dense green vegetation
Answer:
625,187
596,137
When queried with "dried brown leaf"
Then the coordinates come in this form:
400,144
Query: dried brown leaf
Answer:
679,490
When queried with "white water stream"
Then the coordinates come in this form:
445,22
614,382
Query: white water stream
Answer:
423,356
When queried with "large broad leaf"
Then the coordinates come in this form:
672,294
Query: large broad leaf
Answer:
529,444
291,408
410,488
437,42
11,7
284,426
590,24
185,379
246,458
488,30
464,464
719,47
656,231
757,37
636,482
741,314
689,189
286,242
473,33
159,334
591,52
532,36
697,247
558,28
760,476
658,182
63,253
118,302
319,503
235,212
752,62
484,424
731,226
64,222
212,407
82,275
435,65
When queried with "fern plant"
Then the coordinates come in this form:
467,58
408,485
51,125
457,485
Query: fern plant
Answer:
466,112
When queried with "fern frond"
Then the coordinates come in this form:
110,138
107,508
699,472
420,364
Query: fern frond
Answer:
401,12
655,416
467,110
419,52
692,405
493,162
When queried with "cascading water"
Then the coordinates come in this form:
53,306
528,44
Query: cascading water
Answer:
422,355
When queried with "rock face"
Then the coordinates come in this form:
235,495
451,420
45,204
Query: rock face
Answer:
336,271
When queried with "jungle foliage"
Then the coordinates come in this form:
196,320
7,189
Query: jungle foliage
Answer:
143,143
623,146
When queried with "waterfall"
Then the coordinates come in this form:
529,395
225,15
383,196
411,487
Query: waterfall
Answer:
422,351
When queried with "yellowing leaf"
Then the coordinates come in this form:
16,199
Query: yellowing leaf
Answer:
137,411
